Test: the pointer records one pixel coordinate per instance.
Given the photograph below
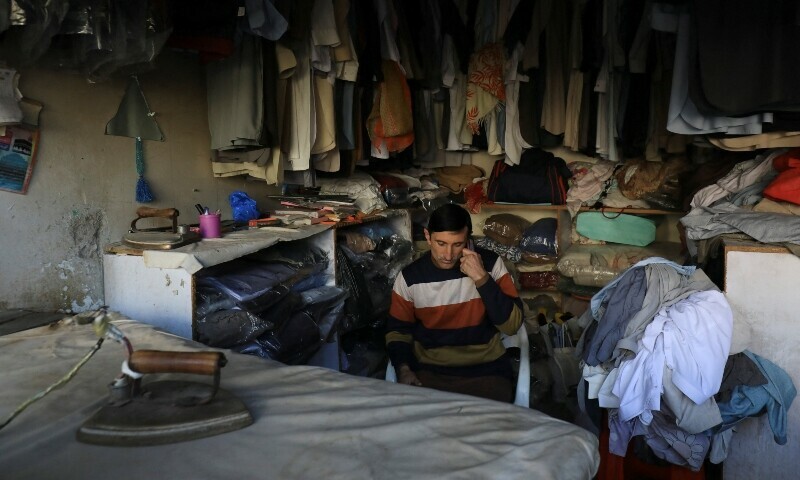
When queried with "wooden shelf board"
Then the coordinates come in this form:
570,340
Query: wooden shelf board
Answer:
633,211
636,211
753,246
527,206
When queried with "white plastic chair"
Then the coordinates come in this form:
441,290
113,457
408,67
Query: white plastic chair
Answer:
520,340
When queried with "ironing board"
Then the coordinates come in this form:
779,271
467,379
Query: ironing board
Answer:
310,422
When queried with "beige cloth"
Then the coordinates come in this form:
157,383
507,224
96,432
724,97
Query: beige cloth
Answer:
325,139
344,54
298,133
341,52
287,62
755,142
323,24
457,178
263,163
327,162
771,206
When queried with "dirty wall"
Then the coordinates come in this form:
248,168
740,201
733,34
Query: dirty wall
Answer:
82,193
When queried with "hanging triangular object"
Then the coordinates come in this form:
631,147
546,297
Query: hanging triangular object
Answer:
134,118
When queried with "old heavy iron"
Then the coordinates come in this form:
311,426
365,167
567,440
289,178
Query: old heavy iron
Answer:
162,238
165,411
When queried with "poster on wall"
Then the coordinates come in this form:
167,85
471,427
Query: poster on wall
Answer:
17,156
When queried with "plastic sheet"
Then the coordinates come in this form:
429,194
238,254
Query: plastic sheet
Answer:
293,342
398,196
288,253
598,265
357,242
227,328
326,305
96,38
243,207
425,197
258,286
34,24
638,179
541,237
368,277
431,204
302,323
245,281
538,280
537,258
358,306
314,280
511,253
657,183
505,228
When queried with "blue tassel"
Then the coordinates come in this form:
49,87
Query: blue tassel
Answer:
143,193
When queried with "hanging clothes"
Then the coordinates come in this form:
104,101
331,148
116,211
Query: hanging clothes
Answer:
235,95
299,130
514,142
390,124
485,86
684,116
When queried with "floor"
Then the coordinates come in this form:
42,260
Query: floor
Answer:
15,320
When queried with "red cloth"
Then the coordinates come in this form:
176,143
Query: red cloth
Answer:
786,186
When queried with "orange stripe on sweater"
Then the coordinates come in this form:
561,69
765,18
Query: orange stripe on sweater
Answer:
506,284
448,317
401,309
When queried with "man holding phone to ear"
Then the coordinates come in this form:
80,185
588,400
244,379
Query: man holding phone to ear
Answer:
448,310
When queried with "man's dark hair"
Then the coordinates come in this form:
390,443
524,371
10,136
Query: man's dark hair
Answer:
449,218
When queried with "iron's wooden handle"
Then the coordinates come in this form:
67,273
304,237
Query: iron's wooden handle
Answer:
145,212
158,361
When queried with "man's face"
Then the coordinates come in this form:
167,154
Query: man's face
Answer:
446,247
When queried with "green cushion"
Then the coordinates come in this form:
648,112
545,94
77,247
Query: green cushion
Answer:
617,228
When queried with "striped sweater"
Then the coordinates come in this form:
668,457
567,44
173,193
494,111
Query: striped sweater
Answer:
440,321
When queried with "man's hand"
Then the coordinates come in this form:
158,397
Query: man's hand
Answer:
472,266
406,376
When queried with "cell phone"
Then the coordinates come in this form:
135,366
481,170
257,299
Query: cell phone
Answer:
471,244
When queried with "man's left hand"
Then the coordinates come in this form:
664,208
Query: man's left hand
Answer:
472,266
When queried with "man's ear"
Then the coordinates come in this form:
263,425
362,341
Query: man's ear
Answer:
427,235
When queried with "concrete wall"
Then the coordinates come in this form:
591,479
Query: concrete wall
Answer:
762,289
82,193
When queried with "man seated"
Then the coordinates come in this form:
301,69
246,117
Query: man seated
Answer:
448,310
